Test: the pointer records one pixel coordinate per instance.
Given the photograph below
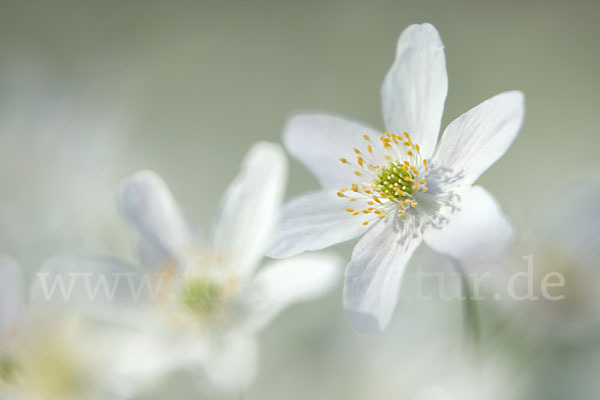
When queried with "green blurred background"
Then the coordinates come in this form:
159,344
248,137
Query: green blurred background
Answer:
92,91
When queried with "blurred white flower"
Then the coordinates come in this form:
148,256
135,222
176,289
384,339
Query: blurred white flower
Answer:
45,353
554,270
405,192
208,300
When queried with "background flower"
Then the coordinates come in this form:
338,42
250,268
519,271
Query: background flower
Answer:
206,298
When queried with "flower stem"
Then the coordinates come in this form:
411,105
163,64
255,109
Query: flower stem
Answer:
470,310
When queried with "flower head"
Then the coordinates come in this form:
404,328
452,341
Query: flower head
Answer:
208,297
45,353
397,187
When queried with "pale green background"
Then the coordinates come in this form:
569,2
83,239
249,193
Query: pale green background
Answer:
185,87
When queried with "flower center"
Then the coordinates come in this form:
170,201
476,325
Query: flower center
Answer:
389,187
395,181
202,296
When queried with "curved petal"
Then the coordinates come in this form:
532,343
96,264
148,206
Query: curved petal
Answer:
232,363
314,221
11,299
319,140
478,138
415,88
103,289
286,282
161,231
250,207
476,230
374,275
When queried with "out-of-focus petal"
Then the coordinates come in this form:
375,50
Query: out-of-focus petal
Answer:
251,206
415,88
478,138
475,229
286,282
103,289
314,221
319,140
232,363
374,275
161,231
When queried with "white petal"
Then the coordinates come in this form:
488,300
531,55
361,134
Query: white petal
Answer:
232,363
103,289
319,140
11,299
314,221
374,275
286,282
160,228
475,230
478,138
251,205
414,90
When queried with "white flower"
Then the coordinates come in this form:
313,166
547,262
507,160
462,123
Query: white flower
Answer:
211,300
397,188
45,353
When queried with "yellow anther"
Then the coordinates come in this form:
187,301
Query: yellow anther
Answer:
365,211
425,189
340,194
415,187
350,209
381,216
387,134
417,147
423,181
400,213
406,163
360,161
414,204
343,160
354,187
357,173
352,199
367,191
343,189
366,137
406,135
388,157
370,149
410,153
376,199
356,213
366,223
370,203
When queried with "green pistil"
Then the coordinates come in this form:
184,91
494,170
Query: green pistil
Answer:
394,177
202,296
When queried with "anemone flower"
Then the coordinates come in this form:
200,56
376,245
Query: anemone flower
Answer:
206,300
397,188
46,352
